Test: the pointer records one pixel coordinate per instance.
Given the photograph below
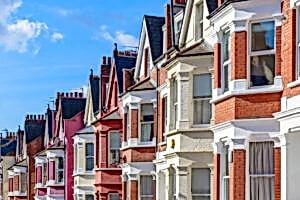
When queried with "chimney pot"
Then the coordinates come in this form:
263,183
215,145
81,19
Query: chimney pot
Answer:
80,94
31,117
67,94
76,94
104,60
34,117
109,61
71,94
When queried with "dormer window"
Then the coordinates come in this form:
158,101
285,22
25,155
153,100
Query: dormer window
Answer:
262,53
226,63
146,61
199,21
178,29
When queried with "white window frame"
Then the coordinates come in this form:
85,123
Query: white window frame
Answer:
88,194
59,170
199,19
225,62
178,25
166,98
45,169
175,104
80,148
298,43
224,177
109,148
21,185
259,53
199,99
139,187
141,123
90,156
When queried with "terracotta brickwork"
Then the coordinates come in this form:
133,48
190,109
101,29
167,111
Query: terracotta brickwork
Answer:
248,107
237,175
277,169
239,55
216,179
141,154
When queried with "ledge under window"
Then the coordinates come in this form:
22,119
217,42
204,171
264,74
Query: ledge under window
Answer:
294,83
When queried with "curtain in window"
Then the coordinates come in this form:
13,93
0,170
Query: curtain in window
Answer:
201,184
146,187
261,166
146,135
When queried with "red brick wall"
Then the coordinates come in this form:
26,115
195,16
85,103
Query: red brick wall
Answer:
141,154
217,65
134,123
16,183
239,55
288,49
247,107
237,175
278,52
277,165
134,190
216,180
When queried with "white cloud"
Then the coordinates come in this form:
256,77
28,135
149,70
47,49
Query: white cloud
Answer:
56,36
17,35
119,37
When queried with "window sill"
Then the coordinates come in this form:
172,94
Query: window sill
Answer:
84,173
135,143
294,84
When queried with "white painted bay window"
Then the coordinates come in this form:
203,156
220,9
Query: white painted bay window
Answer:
60,170
262,53
225,172
89,157
146,187
174,103
200,184
114,148
226,61
23,182
201,98
147,121
261,170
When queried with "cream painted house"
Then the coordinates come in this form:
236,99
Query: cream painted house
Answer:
184,167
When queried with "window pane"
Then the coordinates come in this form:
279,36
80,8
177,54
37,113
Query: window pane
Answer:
115,156
146,185
226,78
60,176
89,197
89,163
202,111
263,36
226,46
114,196
262,70
202,85
146,132
114,140
201,181
147,112
89,149
60,163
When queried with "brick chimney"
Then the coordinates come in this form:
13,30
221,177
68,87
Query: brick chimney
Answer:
220,2
168,26
105,69
182,2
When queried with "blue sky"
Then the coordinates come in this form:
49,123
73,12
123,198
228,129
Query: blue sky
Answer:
48,46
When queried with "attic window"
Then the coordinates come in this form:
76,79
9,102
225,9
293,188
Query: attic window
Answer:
199,21
146,62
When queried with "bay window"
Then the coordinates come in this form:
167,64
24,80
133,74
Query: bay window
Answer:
261,170
262,53
174,103
201,98
147,120
114,148
89,197
200,184
45,173
60,170
146,187
226,61
89,156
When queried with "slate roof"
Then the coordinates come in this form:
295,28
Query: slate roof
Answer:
123,62
72,106
34,129
154,26
95,89
8,146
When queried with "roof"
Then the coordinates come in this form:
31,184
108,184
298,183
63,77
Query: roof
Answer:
34,129
216,9
123,62
154,26
95,91
72,106
8,147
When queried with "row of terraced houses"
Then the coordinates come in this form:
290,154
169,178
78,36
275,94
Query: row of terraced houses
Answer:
208,107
